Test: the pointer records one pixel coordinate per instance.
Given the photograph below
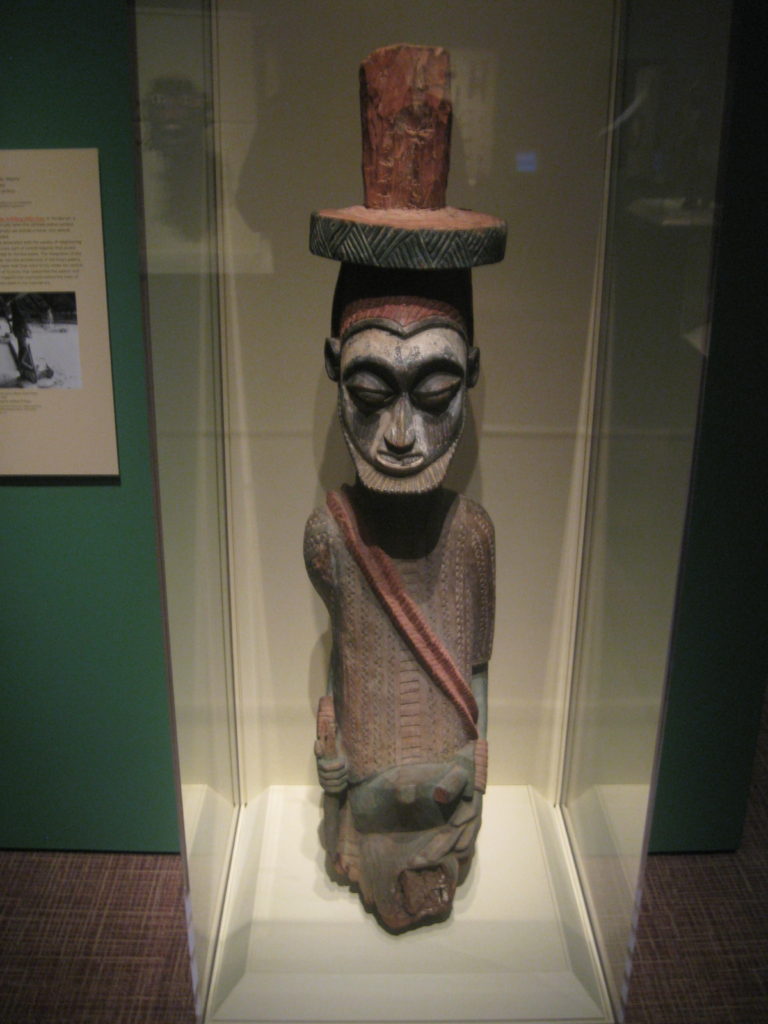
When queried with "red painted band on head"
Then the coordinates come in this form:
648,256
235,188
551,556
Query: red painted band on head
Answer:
403,311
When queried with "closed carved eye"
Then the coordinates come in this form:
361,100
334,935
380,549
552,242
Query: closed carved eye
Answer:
436,392
369,392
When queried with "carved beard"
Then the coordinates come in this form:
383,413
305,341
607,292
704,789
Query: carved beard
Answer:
427,479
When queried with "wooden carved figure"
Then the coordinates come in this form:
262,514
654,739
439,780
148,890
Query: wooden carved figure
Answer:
404,566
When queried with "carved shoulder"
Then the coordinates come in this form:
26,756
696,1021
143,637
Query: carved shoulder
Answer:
320,537
482,534
483,576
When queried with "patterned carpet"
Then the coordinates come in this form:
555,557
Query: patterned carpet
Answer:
91,938
702,950
101,938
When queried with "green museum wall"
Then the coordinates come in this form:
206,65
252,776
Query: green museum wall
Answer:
719,660
85,742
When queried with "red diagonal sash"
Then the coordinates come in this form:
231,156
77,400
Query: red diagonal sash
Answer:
384,579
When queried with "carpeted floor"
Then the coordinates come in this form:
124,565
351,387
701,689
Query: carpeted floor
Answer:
101,938
702,949
93,938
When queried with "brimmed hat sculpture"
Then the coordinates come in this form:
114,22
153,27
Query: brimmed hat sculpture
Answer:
405,567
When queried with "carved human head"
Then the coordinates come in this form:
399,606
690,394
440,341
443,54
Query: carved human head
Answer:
402,354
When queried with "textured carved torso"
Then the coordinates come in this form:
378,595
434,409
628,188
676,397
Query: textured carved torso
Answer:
389,711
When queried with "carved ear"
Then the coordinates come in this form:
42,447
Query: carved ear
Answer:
473,366
332,357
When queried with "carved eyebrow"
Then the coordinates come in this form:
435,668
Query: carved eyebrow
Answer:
440,364
370,364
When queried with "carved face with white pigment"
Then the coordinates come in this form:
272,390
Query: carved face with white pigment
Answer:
402,401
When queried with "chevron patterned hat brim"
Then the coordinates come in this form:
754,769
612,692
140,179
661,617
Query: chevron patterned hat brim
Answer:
445,239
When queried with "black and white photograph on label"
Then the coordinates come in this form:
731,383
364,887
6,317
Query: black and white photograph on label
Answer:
39,340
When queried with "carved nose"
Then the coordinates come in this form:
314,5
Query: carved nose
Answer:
400,435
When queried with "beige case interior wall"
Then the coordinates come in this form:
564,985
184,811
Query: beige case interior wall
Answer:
533,84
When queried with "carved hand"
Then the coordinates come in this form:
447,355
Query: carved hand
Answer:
460,777
456,836
332,772
331,763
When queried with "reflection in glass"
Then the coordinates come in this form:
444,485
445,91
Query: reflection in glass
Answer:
181,288
652,353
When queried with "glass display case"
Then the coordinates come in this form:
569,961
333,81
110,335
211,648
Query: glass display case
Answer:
595,135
